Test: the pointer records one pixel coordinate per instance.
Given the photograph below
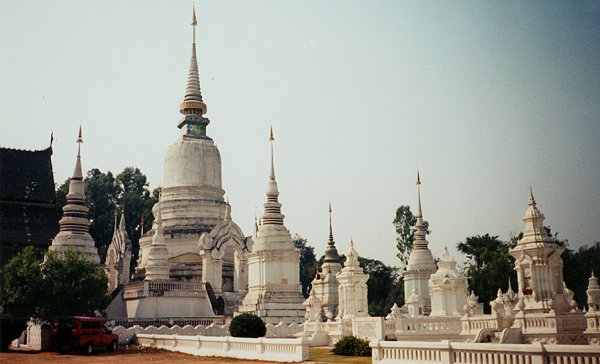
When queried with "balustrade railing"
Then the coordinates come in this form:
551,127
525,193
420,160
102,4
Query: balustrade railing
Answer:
167,321
446,352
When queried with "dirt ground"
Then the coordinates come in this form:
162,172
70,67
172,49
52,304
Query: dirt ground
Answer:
123,355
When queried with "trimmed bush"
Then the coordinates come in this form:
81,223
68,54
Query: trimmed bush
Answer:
247,325
352,346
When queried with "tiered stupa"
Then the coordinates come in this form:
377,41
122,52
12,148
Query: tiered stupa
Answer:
274,290
205,250
74,230
545,311
118,255
325,284
420,267
539,266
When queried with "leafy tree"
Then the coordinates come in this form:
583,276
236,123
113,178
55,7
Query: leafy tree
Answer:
73,285
578,266
405,223
138,201
308,263
384,286
64,284
102,193
489,262
22,293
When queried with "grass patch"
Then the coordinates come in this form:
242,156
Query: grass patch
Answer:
324,355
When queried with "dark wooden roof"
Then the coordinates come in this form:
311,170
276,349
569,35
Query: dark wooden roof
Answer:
28,214
26,175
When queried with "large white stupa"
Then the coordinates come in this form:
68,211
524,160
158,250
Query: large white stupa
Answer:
202,251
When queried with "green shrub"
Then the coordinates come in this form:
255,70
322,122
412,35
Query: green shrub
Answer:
352,346
247,325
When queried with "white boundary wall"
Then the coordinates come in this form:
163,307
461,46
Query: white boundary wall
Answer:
281,350
127,335
445,352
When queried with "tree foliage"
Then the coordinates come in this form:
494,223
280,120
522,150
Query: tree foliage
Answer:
489,266
578,266
405,223
308,263
247,325
352,346
64,284
384,285
104,194
22,294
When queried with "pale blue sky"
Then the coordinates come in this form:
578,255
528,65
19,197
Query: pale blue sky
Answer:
485,98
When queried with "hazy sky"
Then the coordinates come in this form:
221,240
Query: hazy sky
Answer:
484,98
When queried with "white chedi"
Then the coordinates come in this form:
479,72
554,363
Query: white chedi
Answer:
447,288
157,267
420,267
74,232
274,289
352,288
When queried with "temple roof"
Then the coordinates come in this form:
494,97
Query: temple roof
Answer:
28,214
26,176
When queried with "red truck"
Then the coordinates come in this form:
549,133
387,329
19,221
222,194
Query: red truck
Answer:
83,333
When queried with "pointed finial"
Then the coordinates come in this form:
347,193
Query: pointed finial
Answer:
142,224
351,243
79,141
194,23
330,225
51,137
271,138
420,212
531,198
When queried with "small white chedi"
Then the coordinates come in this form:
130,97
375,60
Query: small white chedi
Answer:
420,267
352,288
274,290
74,232
324,297
447,288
